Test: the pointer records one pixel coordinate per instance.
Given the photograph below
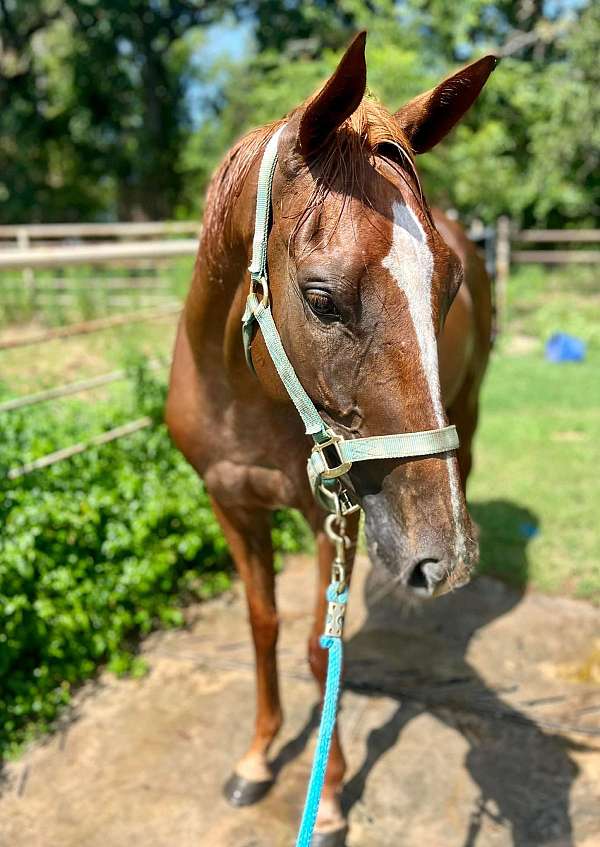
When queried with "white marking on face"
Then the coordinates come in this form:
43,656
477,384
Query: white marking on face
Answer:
410,262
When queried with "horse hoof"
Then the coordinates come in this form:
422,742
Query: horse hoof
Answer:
330,839
244,792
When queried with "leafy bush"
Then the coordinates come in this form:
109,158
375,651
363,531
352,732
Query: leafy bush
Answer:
96,550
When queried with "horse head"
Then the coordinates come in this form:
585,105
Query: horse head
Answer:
361,282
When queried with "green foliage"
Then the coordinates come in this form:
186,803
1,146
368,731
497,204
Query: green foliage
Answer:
97,550
297,27
124,110
94,112
527,148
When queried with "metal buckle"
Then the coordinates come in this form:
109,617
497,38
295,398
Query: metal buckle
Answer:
340,502
326,470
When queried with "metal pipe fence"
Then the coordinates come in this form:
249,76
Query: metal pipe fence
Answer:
69,389
86,327
27,258
74,449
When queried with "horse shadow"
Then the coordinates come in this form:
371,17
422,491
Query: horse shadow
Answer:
524,776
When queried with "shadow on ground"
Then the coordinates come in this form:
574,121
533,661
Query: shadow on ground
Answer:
524,776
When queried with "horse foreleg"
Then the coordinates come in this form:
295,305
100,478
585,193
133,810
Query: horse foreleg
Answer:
463,413
249,539
331,826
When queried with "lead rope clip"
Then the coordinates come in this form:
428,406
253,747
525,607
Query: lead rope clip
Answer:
338,590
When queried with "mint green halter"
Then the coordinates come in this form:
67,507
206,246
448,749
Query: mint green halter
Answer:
332,455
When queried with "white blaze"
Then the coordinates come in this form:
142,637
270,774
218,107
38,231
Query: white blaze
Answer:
410,262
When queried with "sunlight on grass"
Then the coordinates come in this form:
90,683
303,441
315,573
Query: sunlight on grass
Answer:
535,490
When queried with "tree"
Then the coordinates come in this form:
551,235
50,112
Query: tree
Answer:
94,111
129,65
96,118
529,147
38,171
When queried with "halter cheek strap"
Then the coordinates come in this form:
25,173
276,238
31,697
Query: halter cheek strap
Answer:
332,456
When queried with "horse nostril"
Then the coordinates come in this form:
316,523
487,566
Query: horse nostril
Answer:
425,575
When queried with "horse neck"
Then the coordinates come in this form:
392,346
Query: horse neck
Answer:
219,288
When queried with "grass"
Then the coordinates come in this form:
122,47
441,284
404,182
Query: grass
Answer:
535,491
27,369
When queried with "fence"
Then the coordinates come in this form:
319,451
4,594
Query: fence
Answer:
153,244
35,248
498,243
78,387
141,251
500,254
25,234
506,237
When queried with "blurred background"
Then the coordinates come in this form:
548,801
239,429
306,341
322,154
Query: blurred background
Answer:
113,116
120,111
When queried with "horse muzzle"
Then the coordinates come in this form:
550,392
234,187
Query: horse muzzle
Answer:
425,561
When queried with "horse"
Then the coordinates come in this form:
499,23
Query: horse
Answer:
384,309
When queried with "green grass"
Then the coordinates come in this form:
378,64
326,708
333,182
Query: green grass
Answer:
27,369
535,490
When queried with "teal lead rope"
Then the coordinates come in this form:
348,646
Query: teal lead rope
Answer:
334,644
331,640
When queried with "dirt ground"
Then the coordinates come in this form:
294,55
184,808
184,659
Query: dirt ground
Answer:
459,721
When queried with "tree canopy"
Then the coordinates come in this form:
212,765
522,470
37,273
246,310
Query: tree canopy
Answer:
98,118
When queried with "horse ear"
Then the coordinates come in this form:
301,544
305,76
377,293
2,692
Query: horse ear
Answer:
337,100
429,117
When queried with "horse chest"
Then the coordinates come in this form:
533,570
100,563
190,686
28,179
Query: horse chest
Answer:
235,485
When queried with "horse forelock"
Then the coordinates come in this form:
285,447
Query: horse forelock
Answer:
344,165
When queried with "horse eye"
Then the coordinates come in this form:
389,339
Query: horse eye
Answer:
321,304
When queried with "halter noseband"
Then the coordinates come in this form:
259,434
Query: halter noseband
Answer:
332,455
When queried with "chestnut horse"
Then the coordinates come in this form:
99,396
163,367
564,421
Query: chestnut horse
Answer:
384,310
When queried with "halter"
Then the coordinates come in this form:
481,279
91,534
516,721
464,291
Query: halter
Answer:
332,456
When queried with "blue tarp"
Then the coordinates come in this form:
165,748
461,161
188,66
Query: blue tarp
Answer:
561,347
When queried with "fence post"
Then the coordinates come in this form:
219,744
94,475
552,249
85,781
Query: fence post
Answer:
27,275
502,266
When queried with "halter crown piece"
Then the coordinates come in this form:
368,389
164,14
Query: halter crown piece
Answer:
332,456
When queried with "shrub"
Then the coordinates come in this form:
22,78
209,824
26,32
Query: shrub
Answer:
96,551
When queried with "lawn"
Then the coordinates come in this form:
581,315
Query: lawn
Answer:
535,490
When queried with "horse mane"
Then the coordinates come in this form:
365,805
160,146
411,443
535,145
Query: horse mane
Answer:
344,165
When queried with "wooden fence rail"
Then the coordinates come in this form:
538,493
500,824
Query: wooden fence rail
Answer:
89,254
25,233
507,251
556,257
556,235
